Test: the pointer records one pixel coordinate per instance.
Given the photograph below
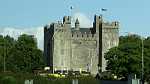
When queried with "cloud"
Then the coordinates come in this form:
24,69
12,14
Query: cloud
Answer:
38,32
83,19
15,32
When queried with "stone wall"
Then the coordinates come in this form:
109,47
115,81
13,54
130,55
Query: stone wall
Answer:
110,38
74,53
84,55
62,50
75,49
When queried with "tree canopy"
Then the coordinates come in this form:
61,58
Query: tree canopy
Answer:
21,55
126,58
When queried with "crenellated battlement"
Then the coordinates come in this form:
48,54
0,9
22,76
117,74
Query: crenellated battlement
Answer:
114,24
83,36
67,20
76,35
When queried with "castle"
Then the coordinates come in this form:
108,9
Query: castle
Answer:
79,49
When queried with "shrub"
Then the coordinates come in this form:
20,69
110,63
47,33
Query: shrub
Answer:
8,80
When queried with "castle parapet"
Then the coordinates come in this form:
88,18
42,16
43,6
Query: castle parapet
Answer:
114,24
67,20
83,36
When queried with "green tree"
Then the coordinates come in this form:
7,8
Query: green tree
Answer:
1,52
24,55
126,58
9,43
146,59
6,43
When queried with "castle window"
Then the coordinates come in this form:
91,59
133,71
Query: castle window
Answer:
68,18
92,35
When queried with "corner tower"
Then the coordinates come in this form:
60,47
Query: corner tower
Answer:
48,45
77,24
67,21
107,34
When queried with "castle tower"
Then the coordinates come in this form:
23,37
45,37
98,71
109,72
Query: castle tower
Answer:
97,26
67,21
97,23
48,45
77,24
107,37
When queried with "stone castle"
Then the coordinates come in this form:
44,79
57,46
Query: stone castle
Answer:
79,49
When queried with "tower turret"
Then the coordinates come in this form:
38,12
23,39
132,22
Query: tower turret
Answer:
97,23
77,24
67,21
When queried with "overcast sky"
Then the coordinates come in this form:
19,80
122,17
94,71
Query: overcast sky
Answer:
29,16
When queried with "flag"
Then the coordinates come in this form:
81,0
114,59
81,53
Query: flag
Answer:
71,7
103,9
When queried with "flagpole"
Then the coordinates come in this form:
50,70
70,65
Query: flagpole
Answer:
103,10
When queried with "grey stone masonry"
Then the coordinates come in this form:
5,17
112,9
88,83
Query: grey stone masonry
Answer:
79,49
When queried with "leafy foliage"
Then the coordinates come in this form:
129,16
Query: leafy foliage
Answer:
127,57
8,80
21,55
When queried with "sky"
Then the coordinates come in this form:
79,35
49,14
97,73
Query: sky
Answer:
29,16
